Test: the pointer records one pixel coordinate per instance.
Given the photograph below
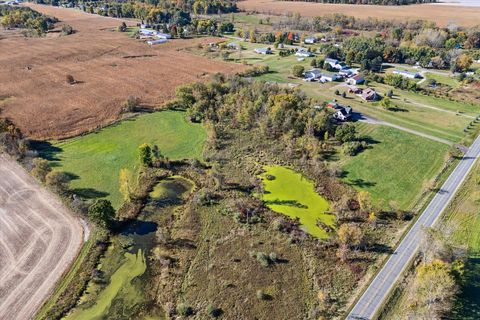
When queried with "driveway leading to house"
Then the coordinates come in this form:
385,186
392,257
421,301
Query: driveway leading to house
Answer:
39,239
367,119
373,299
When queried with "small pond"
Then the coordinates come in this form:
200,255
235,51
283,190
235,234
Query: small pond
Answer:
291,194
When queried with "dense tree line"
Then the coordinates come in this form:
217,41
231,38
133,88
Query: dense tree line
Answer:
152,11
373,2
23,17
241,104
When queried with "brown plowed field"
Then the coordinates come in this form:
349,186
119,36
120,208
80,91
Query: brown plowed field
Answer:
441,14
39,239
109,66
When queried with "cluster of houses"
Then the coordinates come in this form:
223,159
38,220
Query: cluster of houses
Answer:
344,71
153,37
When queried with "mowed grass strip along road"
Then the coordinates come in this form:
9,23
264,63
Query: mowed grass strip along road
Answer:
96,159
396,165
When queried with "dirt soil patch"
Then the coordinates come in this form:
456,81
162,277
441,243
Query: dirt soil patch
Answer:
33,74
442,15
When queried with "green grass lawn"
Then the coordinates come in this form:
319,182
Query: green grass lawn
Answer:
291,194
96,158
395,167
444,79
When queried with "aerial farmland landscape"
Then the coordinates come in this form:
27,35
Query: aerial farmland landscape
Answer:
239,159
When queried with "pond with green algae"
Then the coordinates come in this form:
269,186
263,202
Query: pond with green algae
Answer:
119,287
291,194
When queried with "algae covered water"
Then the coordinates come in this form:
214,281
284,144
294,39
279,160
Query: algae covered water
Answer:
291,194
120,284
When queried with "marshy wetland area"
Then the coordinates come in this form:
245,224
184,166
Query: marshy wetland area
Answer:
258,164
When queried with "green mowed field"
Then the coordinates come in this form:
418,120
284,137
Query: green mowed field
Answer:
96,159
444,79
395,166
433,116
289,193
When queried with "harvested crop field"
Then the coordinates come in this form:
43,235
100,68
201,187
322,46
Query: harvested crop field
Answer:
442,15
39,238
108,65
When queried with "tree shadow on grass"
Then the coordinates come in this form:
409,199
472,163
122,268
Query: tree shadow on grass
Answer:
72,176
90,193
290,203
369,140
398,109
46,150
361,183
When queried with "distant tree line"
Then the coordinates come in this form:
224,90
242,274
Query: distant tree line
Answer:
26,18
151,11
371,2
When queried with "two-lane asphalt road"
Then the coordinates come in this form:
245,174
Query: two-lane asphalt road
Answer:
372,300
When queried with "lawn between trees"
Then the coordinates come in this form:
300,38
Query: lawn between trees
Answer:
95,160
396,168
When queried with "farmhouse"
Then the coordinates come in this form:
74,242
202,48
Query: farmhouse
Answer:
355,90
331,62
329,76
147,32
313,74
302,52
407,74
161,35
310,40
358,79
370,94
233,46
343,114
346,72
263,51
334,63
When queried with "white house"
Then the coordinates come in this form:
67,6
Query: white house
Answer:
302,52
336,64
329,77
147,32
161,35
263,50
310,40
343,114
358,79
154,42
331,62
313,74
346,72
407,74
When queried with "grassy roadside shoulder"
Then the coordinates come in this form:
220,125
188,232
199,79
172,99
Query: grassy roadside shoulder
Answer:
421,205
